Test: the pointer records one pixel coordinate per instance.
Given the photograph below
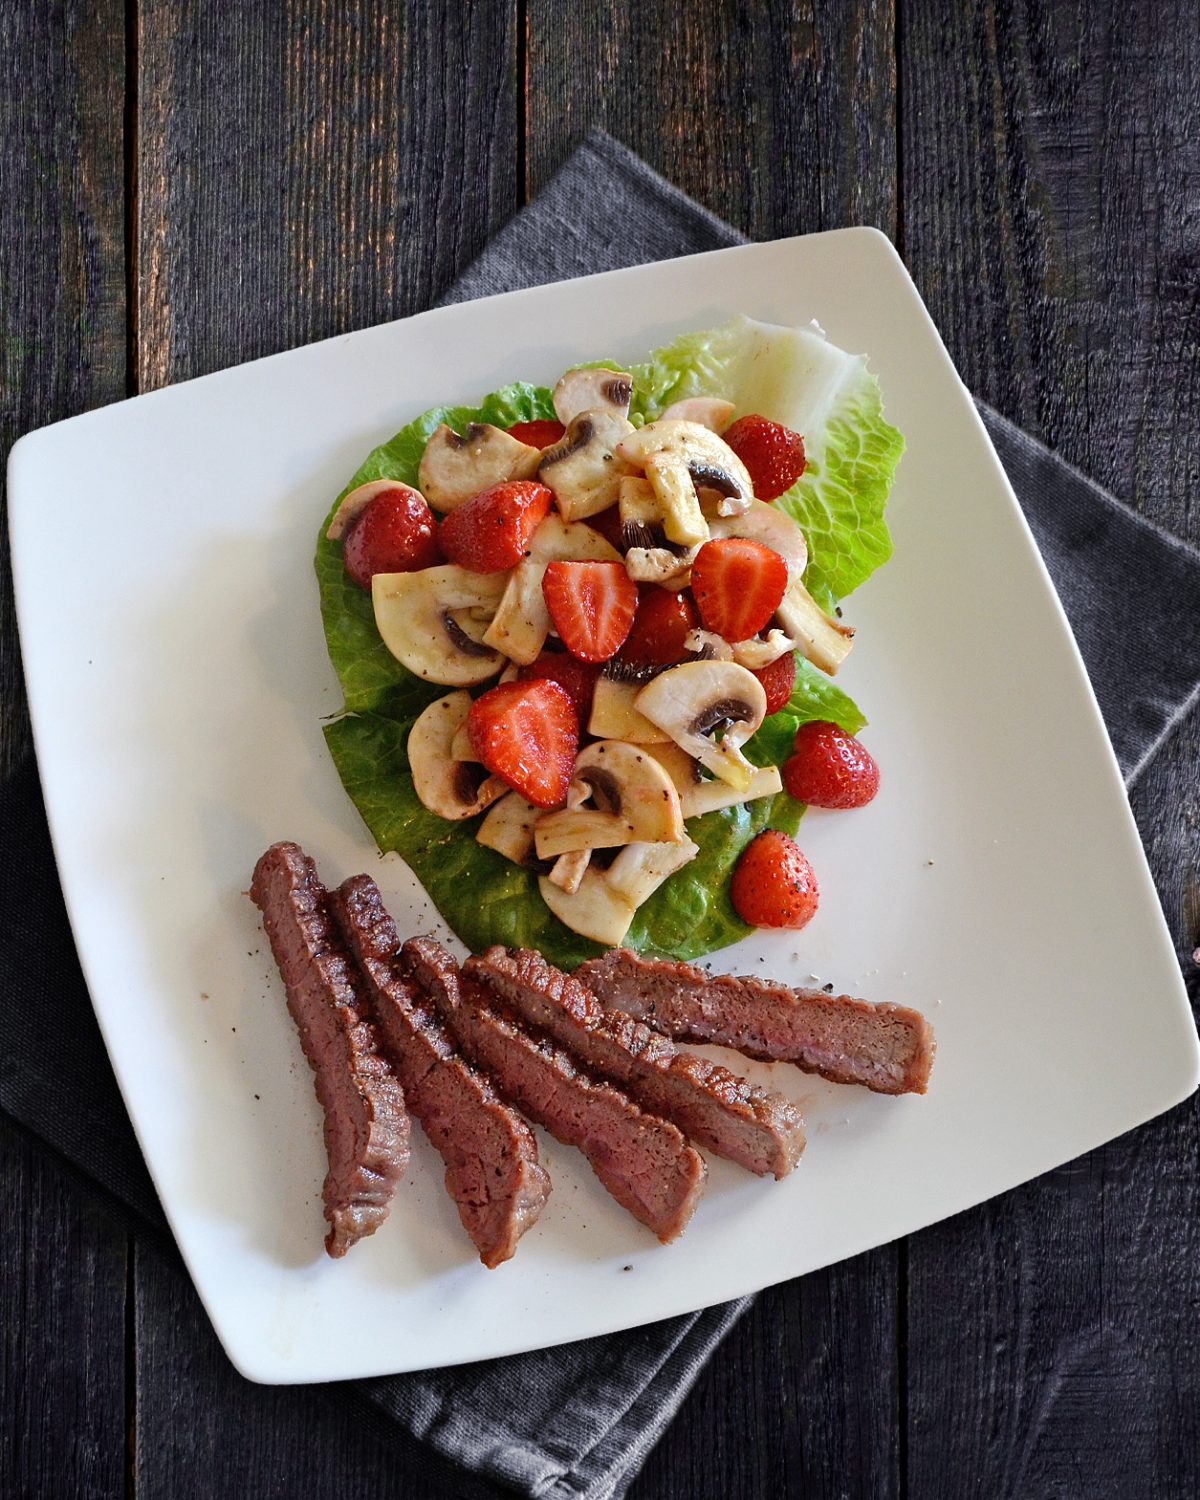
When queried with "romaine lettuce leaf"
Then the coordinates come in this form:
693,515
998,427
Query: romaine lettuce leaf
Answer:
484,897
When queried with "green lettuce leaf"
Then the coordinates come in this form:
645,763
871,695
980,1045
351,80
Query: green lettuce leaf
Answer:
484,897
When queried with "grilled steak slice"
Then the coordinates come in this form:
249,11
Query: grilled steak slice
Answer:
492,1168
366,1127
755,1127
644,1162
886,1047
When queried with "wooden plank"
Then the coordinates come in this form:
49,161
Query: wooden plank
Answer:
1049,183
62,1308
62,302
309,168
303,170
780,119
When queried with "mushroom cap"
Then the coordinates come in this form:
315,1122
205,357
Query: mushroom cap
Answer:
594,910
592,390
424,619
696,701
453,789
582,468
456,466
706,411
632,799
710,461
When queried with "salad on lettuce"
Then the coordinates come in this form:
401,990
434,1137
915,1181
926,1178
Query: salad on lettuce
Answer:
577,630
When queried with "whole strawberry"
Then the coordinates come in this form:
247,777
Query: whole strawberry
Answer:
773,884
773,455
829,768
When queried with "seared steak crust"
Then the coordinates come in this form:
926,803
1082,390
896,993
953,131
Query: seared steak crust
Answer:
366,1127
644,1162
492,1168
886,1047
757,1128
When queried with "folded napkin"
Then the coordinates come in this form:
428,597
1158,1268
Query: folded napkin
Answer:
578,1421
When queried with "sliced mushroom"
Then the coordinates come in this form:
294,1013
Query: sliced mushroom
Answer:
757,653
455,467
698,795
522,621
568,870
582,468
772,527
594,910
670,570
451,788
353,504
711,463
460,746
823,640
508,828
708,645
710,709
633,799
592,390
682,519
639,869
615,718
705,411
428,621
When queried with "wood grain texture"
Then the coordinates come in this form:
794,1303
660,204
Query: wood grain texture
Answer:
305,169
780,118
62,1309
1049,187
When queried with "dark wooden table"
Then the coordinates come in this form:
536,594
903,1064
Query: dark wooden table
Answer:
186,184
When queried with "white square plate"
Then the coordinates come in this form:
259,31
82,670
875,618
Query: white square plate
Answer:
178,678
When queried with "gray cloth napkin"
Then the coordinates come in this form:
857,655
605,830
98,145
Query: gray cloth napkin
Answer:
578,1421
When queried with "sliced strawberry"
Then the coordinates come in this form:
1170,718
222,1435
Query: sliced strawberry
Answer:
737,584
396,532
608,524
577,678
773,884
592,605
777,681
662,622
830,768
491,532
527,733
773,455
538,434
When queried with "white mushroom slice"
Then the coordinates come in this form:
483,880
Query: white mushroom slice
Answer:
522,621
708,796
708,698
428,621
679,766
708,644
757,653
706,411
823,640
592,390
637,502
451,788
455,468
352,505
671,480
615,718
568,870
772,527
460,746
639,869
582,467
508,828
711,463
670,570
594,911
633,799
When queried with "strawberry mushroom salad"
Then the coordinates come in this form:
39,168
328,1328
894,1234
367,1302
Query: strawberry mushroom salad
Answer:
586,638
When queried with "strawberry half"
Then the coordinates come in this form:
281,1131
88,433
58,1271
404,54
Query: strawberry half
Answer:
491,532
577,678
738,585
773,454
527,733
777,681
662,623
592,605
538,434
773,884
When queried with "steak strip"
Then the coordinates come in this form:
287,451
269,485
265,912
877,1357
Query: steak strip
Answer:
886,1047
366,1127
644,1162
492,1168
754,1127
